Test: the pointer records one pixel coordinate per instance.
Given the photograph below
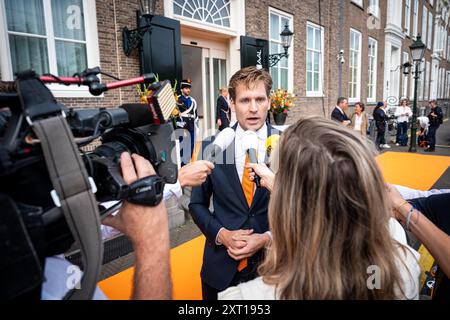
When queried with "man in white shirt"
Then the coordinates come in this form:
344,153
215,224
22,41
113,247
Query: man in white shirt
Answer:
402,113
237,230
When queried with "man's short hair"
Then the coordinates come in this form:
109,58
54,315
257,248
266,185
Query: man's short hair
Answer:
433,101
340,100
249,76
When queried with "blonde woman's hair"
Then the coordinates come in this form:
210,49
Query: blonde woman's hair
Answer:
329,217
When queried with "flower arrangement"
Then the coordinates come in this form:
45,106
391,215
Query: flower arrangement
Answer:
281,101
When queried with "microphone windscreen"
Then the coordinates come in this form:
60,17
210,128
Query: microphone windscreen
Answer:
225,138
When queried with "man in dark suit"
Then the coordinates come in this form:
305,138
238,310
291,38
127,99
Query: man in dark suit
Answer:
338,113
237,230
436,119
223,109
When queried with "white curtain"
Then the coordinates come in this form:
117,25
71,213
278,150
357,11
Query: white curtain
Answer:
27,16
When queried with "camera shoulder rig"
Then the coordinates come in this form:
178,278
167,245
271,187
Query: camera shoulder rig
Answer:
73,188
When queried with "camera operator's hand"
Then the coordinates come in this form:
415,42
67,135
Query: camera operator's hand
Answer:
195,173
148,230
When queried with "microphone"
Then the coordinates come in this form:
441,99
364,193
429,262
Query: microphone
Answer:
250,144
221,143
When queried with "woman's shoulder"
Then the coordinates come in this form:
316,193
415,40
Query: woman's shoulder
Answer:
408,262
255,289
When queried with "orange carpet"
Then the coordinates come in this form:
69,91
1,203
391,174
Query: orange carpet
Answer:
411,170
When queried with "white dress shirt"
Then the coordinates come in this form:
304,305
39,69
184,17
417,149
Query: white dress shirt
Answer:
358,122
403,110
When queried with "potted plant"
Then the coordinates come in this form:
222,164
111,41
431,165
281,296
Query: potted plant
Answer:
281,102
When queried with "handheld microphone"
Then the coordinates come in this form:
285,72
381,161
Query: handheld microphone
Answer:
250,143
221,143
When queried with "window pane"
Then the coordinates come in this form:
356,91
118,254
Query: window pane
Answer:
309,60
28,53
25,16
71,57
316,82
273,47
274,74
316,61
284,61
284,22
284,78
310,37
318,42
309,81
274,27
68,19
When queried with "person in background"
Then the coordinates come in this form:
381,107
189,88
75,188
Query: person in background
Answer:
188,120
402,113
223,112
359,119
334,224
338,113
436,118
381,118
423,123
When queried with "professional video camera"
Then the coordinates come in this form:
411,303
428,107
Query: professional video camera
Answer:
45,170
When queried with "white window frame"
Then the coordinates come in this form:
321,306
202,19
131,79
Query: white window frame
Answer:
290,51
374,72
357,97
430,29
359,3
92,48
424,24
421,80
374,8
426,93
407,22
415,19
448,48
319,92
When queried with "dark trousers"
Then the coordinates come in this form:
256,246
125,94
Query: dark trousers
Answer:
431,136
186,155
380,136
402,133
247,274
435,208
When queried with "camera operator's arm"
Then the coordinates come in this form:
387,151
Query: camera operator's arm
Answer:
148,230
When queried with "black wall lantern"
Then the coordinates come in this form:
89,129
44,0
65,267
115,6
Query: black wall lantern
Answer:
133,38
286,39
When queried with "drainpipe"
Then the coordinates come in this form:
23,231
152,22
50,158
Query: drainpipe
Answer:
341,42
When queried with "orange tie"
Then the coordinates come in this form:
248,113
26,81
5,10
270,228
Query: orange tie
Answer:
248,187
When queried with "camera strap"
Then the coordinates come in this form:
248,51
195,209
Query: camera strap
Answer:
72,187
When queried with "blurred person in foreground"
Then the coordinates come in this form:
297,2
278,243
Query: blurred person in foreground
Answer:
333,231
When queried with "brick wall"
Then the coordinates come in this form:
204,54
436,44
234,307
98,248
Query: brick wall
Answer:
303,11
